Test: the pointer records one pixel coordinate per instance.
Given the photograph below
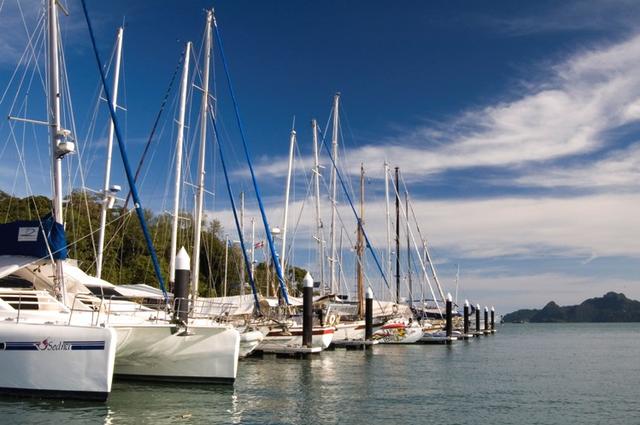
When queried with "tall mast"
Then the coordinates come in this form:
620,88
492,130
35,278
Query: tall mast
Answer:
107,200
397,182
292,142
334,187
253,251
226,264
178,164
406,199
319,233
360,248
195,273
242,277
56,134
388,217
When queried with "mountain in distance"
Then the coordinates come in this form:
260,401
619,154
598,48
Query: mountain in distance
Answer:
612,307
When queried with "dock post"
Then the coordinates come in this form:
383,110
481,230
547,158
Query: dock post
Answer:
181,286
477,319
493,318
486,318
449,317
466,318
368,315
307,311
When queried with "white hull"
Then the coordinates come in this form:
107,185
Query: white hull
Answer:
277,338
394,334
349,331
249,341
56,360
166,353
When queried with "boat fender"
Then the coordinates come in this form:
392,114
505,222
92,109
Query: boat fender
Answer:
394,309
337,320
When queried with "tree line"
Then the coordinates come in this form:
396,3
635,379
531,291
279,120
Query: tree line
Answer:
126,257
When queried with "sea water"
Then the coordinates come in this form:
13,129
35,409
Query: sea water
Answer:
525,374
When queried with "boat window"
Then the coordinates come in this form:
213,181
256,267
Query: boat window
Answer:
21,301
13,281
103,291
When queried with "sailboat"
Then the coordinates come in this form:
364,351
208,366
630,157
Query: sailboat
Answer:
151,345
41,353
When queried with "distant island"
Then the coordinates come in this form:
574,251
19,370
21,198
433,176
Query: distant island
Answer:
612,307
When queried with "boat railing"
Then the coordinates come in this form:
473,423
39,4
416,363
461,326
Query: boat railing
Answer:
85,302
207,309
29,300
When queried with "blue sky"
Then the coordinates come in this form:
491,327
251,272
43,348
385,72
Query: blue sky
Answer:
514,123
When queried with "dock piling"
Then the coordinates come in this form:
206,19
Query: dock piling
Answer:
181,286
449,316
307,311
368,316
466,318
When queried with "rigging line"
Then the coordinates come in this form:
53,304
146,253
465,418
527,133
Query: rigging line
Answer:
274,255
424,240
125,160
295,229
353,209
235,214
413,239
69,104
39,31
155,124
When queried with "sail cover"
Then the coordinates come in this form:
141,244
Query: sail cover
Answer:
41,238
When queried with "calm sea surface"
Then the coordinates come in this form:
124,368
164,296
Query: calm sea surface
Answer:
526,374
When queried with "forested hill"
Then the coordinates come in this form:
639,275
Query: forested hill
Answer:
612,307
126,258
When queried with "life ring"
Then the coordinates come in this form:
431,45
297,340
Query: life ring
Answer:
331,321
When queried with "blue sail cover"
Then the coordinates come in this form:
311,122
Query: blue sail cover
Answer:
28,238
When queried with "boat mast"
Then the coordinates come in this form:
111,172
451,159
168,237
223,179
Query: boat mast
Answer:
226,264
253,251
178,164
242,277
57,135
292,143
397,236
319,233
195,274
334,187
406,199
107,193
388,217
360,248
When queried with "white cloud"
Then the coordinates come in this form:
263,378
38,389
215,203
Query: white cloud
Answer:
619,169
579,226
571,113
535,290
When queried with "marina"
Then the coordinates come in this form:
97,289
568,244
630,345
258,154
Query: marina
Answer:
234,266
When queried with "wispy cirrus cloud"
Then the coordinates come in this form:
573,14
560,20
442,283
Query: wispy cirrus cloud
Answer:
619,169
572,112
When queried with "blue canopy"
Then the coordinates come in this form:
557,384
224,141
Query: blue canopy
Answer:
34,238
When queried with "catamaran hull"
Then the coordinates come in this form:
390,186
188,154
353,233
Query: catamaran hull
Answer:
205,354
249,341
46,360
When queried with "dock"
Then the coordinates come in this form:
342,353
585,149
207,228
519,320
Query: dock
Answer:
354,344
293,351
